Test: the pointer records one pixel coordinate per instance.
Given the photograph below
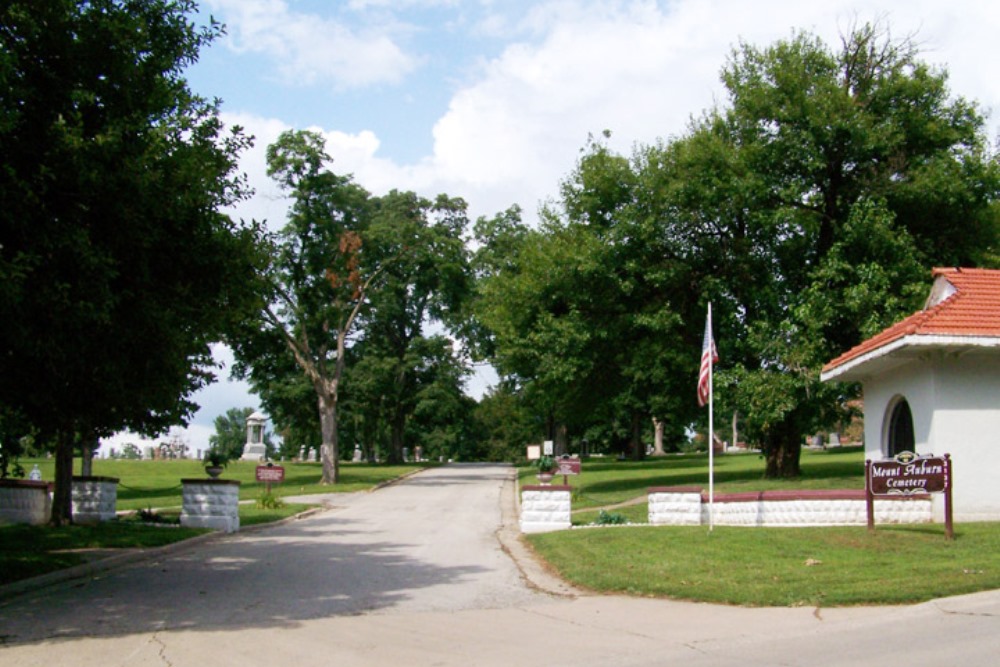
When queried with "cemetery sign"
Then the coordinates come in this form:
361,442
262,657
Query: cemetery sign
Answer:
909,474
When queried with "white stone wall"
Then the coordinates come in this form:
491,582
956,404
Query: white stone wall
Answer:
25,502
545,508
95,499
211,504
817,512
671,508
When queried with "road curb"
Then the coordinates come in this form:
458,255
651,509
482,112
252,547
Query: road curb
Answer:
533,571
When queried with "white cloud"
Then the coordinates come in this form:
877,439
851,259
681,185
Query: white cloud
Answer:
308,49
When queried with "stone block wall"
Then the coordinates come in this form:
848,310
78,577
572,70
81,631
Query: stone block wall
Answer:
25,501
675,506
689,506
95,499
211,503
545,508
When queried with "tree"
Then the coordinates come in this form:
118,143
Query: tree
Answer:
579,311
316,284
117,270
808,206
230,435
426,280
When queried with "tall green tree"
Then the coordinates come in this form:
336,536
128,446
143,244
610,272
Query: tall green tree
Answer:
579,310
809,203
116,269
353,277
426,282
316,284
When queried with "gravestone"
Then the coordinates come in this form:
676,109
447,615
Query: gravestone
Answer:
357,454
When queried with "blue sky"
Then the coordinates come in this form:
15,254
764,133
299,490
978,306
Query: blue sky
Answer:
493,100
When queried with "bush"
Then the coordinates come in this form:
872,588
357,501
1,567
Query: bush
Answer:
610,518
270,501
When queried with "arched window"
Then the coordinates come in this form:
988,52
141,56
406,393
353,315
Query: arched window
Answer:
900,436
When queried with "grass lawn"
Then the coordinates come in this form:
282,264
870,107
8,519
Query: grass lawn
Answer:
779,566
145,484
759,566
605,482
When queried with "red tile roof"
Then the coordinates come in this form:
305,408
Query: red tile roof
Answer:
972,310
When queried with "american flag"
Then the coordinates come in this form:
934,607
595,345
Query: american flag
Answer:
709,356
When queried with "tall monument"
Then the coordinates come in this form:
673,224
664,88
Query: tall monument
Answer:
254,449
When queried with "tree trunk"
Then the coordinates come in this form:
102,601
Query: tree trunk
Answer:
782,457
638,451
658,437
328,450
62,495
561,444
397,434
87,449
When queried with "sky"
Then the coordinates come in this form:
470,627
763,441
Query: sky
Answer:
493,100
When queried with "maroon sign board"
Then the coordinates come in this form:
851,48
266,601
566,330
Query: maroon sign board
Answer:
568,466
909,474
270,474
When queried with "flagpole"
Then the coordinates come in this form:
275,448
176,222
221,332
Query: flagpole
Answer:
711,438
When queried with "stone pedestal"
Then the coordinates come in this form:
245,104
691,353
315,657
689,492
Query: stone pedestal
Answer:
211,503
95,499
25,501
545,508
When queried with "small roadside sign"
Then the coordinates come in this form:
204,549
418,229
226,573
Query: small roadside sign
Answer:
270,474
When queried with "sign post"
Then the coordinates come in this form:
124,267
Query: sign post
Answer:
908,474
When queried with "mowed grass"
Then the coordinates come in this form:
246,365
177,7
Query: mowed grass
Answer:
604,482
157,484
759,566
779,566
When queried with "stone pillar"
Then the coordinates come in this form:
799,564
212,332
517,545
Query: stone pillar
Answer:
25,501
94,499
211,503
545,508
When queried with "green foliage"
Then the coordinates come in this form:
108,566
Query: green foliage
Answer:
355,281
118,271
217,457
806,208
505,425
269,501
605,518
545,464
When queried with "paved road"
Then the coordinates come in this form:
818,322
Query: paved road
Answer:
419,574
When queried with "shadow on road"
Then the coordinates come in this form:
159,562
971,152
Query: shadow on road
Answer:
280,576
